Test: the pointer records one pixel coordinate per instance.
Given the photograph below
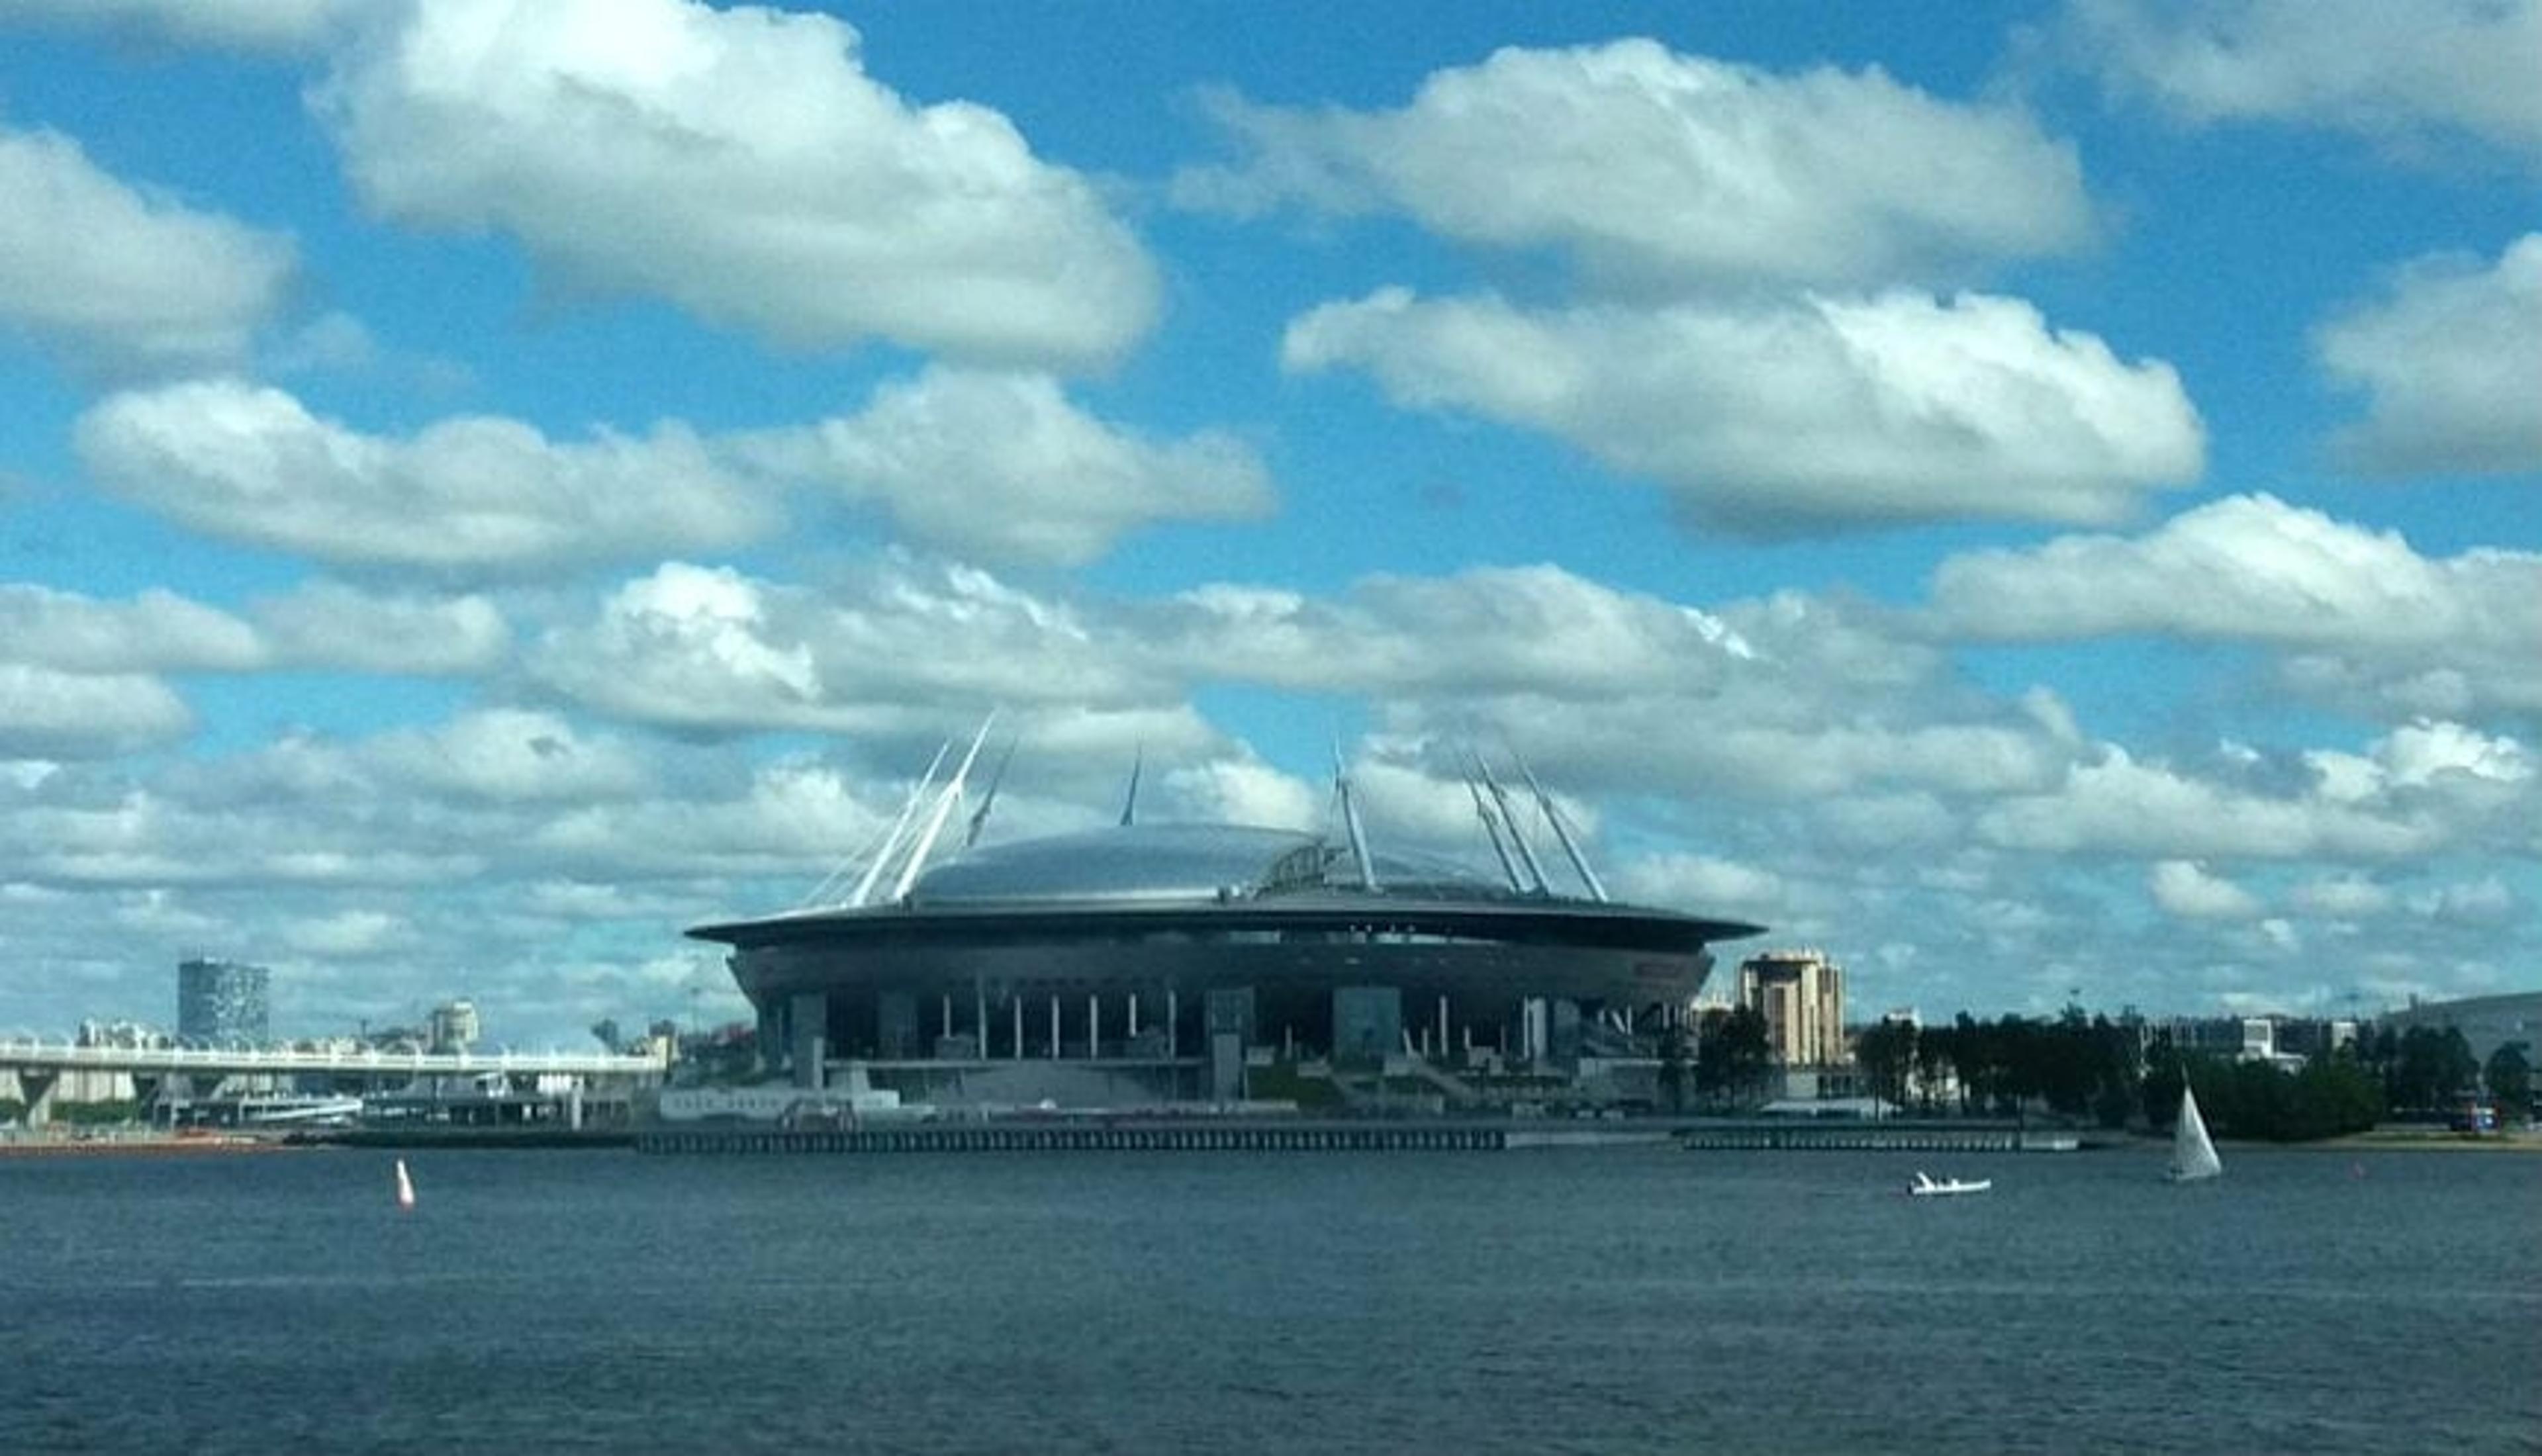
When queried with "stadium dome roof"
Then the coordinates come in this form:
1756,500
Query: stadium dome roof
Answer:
1166,862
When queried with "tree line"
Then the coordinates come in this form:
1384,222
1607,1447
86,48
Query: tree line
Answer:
2088,1068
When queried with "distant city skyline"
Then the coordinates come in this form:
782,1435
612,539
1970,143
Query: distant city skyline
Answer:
2027,495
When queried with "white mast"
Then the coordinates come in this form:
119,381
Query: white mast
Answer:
1130,800
1553,816
989,800
944,806
899,827
1525,851
1350,823
1492,826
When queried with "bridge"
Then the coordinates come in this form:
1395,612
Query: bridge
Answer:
40,1064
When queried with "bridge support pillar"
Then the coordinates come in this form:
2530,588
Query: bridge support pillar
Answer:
37,1085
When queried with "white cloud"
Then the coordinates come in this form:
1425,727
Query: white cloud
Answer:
509,754
2345,897
2410,75
899,648
1480,631
46,713
330,625
1699,882
346,934
466,496
2433,752
687,644
2190,892
155,631
2448,362
123,280
2485,901
268,26
1244,790
1832,413
1656,169
2118,805
742,165
1002,467
2369,618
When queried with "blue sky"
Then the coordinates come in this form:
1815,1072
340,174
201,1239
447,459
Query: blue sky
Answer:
2030,498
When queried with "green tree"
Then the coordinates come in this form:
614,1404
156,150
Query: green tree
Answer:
1672,1069
2164,1077
2115,1072
2509,1077
1887,1053
1932,1061
2433,1066
1733,1058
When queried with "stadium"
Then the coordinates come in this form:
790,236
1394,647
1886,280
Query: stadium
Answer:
1139,962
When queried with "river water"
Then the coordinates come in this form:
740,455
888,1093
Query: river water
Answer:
1560,1300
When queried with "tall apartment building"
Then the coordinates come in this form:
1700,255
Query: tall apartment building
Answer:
454,1026
222,1001
1801,995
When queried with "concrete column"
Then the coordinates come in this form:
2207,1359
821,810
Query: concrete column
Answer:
1053,1026
1017,1052
37,1085
1093,1026
1133,1032
807,1018
1443,1028
947,998
1171,1030
980,1016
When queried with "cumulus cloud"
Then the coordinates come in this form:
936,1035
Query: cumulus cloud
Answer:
332,624
744,166
2365,617
2114,804
2485,901
1701,883
2448,362
2418,790
155,631
1828,413
2190,892
466,496
1002,467
258,26
1243,791
2407,75
2342,896
714,649
1480,631
1656,169
48,713
123,280
510,755
347,933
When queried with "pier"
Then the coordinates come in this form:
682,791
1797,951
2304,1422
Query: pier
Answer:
1064,1136
1194,1134
1852,1136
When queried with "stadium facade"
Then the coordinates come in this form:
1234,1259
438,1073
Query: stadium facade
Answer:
1156,962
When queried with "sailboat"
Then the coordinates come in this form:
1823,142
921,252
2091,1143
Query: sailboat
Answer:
2193,1153
404,1187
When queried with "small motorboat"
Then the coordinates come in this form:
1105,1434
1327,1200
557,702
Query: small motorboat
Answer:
1926,1185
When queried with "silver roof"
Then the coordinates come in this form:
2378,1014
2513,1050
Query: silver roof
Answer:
1153,862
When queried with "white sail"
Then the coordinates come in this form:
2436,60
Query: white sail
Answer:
2193,1153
